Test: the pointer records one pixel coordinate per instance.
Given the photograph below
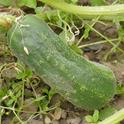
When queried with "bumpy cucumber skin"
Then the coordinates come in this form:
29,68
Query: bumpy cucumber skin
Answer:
84,83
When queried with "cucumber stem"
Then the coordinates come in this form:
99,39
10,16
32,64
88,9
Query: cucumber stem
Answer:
89,11
115,118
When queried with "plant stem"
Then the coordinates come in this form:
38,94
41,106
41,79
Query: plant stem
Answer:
109,41
96,43
88,12
115,118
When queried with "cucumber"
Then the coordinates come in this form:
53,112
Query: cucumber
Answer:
85,84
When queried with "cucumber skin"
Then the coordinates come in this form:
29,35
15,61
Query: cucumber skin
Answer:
85,84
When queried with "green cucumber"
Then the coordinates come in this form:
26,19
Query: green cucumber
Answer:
85,84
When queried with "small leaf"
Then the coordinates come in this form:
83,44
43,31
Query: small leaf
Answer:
120,89
21,75
67,36
106,112
74,1
38,10
6,2
9,102
71,1
86,32
28,73
46,91
76,49
50,94
3,92
28,3
121,31
89,118
97,2
96,116
39,98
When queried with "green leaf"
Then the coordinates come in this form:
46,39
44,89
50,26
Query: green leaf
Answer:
92,118
89,118
97,2
71,1
19,3
6,2
86,32
121,31
3,92
106,112
25,74
76,49
39,98
9,102
28,73
96,116
38,10
28,3
120,89
121,1
74,1
21,75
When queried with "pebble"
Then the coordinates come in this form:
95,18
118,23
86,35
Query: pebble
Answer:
9,73
76,120
55,122
63,121
57,114
47,120
33,121
64,114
